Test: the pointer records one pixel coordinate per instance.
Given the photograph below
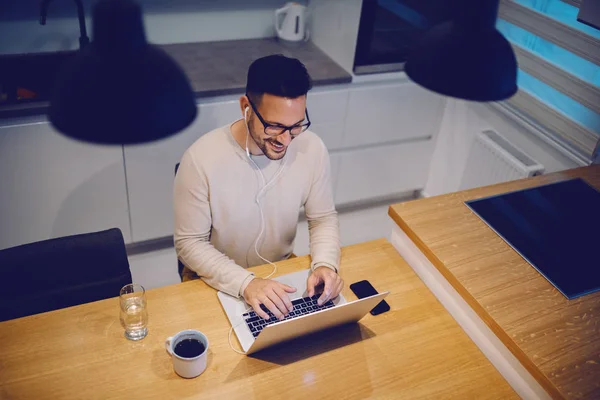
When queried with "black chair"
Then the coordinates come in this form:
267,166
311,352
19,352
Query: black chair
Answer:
180,265
62,272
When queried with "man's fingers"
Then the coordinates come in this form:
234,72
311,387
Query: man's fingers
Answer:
324,298
268,302
279,303
287,288
310,284
327,291
259,311
285,298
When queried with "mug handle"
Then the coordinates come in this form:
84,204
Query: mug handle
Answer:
168,344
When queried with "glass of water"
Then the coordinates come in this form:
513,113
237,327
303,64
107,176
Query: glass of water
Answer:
134,312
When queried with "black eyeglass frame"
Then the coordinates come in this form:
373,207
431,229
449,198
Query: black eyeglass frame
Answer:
281,128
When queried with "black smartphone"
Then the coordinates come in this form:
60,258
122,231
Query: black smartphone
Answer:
364,289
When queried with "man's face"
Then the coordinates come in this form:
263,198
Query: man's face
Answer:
279,111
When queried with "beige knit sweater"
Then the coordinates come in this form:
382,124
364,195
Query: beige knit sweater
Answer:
217,215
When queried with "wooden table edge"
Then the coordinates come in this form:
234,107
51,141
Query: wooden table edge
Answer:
475,306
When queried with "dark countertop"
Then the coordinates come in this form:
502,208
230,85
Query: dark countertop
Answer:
220,68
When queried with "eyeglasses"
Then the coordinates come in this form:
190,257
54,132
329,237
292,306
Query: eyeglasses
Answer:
278,129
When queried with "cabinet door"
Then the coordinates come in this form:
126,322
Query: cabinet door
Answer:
53,186
150,171
380,172
327,112
386,113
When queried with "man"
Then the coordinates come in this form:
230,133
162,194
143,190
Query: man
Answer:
239,190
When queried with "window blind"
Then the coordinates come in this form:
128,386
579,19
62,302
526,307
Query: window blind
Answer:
559,70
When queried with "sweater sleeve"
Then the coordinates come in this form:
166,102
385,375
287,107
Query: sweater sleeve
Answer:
323,225
192,231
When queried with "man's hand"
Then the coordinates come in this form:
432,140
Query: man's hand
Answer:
332,282
272,294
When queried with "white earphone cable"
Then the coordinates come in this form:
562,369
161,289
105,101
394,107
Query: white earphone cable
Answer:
231,331
257,200
262,226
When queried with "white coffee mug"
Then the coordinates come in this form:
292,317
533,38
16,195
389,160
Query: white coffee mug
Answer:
184,366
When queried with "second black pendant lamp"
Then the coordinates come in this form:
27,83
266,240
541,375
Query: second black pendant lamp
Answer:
466,58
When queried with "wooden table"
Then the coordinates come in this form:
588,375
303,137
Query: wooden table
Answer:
414,351
556,340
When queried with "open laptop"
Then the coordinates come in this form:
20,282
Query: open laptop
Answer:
255,334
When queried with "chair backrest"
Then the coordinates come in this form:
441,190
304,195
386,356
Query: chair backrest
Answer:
62,272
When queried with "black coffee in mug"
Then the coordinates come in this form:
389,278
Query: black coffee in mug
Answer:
189,348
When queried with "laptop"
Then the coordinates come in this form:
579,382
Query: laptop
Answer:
255,333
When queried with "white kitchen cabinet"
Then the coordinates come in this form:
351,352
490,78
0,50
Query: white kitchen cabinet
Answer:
363,167
327,112
53,186
389,112
150,170
383,171
150,167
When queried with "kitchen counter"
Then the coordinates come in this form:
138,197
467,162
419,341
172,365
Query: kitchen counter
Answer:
220,68
525,326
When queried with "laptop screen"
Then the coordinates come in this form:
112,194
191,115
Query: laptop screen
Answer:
555,227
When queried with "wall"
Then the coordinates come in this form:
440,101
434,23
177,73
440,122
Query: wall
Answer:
461,122
335,29
166,21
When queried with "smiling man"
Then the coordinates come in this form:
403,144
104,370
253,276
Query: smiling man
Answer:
239,190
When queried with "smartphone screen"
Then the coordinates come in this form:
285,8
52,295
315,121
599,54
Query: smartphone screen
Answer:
364,289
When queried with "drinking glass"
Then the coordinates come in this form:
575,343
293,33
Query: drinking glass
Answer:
134,312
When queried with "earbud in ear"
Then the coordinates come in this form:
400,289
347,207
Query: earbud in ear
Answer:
246,113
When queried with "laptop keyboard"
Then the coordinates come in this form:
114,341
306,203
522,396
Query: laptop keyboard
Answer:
303,306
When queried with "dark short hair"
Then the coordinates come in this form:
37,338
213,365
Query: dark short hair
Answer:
277,75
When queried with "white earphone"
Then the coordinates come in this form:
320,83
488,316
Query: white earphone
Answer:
247,130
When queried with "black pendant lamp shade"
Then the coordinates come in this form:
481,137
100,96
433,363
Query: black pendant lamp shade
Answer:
466,58
119,89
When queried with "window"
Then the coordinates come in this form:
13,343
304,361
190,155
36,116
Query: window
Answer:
559,69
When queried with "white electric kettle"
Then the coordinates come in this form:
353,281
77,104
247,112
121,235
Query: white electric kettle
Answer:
291,23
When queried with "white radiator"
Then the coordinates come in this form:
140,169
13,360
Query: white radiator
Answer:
493,159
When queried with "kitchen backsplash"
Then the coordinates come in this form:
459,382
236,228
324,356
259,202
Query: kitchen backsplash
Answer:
166,21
